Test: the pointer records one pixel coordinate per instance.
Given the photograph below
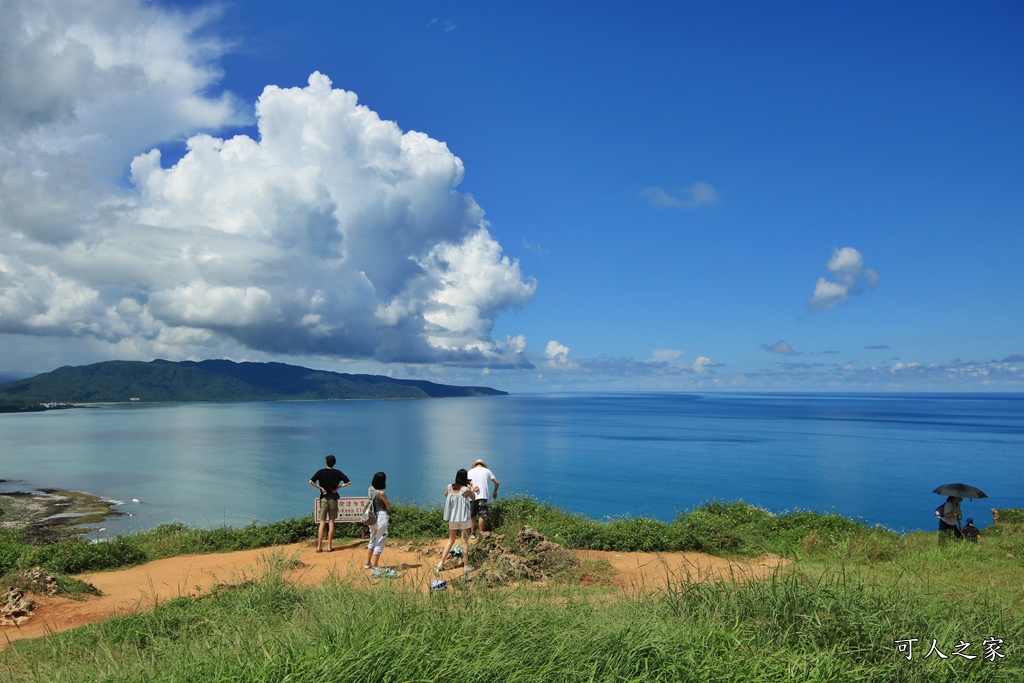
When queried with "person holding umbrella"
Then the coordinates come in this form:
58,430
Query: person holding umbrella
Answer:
949,512
949,518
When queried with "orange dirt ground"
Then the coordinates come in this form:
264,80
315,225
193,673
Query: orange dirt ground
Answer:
141,588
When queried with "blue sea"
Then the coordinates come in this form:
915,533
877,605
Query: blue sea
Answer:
871,457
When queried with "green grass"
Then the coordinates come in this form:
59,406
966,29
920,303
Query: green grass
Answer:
831,626
735,529
833,614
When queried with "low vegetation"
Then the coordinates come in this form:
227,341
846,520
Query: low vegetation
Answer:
734,529
856,603
20,407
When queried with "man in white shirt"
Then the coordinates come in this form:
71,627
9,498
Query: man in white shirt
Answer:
480,479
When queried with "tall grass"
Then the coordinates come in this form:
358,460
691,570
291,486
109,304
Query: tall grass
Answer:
829,627
834,614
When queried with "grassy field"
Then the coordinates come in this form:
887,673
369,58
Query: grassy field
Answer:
851,597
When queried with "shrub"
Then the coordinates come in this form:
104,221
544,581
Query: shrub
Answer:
710,531
637,534
176,538
278,533
411,522
11,550
76,557
1008,516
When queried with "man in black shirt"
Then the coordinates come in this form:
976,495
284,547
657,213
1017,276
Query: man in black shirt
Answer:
328,480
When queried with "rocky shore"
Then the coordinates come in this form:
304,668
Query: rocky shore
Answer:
49,515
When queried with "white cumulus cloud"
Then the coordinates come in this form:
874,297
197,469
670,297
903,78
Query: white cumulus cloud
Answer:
333,233
703,363
848,276
556,356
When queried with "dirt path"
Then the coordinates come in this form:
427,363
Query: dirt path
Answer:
145,586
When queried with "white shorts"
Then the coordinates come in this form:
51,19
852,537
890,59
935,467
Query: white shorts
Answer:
456,526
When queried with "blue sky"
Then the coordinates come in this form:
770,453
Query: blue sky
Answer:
534,196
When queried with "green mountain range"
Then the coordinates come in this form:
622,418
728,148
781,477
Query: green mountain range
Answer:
121,381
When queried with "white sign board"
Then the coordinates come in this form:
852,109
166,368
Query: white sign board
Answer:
349,509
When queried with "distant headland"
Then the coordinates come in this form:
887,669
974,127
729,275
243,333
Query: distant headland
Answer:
162,381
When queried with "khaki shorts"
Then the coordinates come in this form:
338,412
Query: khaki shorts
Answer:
328,509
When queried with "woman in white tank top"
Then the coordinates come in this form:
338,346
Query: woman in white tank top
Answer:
457,497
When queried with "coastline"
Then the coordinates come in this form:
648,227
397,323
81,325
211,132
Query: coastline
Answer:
40,407
52,515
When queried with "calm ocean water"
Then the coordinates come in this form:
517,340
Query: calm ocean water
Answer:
870,457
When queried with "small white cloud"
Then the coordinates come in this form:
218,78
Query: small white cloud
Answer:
557,356
696,195
702,363
535,248
848,276
781,347
441,24
666,355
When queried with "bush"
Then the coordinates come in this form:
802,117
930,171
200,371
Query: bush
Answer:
279,533
76,557
11,550
1008,516
714,527
411,522
520,511
166,540
708,530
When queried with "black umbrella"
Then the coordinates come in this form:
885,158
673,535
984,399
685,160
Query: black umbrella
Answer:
960,491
